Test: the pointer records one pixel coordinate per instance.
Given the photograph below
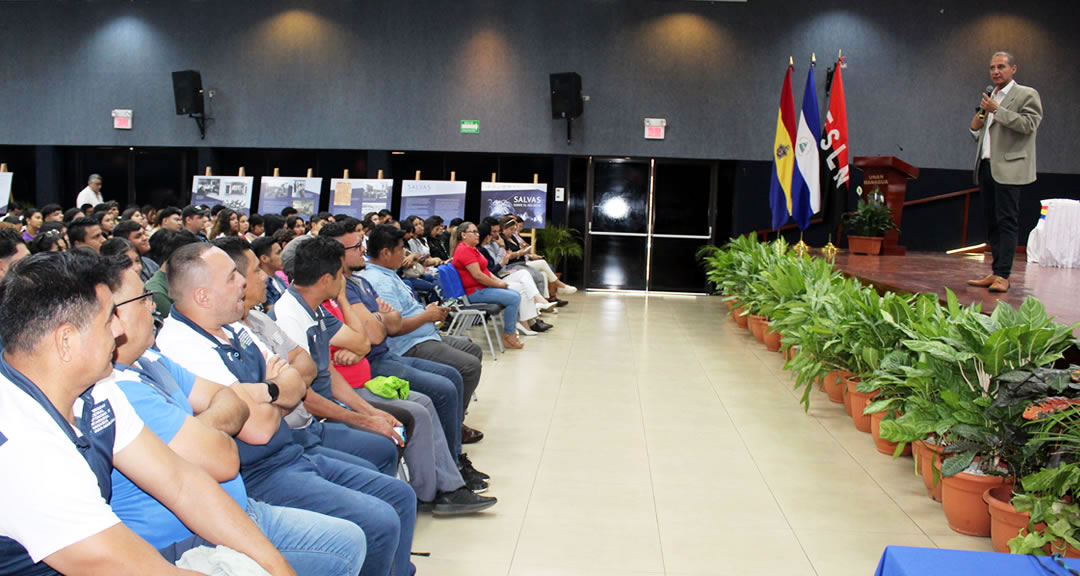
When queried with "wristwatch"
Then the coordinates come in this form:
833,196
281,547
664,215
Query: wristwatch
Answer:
272,390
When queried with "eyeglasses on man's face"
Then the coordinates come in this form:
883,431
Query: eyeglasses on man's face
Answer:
145,295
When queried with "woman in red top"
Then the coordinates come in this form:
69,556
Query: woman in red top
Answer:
480,285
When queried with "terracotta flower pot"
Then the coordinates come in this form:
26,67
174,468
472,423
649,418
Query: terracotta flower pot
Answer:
865,244
929,462
857,402
1005,521
731,303
834,386
772,339
884,446
757,327
740,320
962,496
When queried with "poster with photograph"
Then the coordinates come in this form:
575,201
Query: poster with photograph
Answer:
358,196
234,192
528,201
426,198
5,190
278,193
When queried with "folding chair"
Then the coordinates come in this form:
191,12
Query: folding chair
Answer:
468,315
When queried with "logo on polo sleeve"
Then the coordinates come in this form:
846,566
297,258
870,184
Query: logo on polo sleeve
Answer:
2,438
101,417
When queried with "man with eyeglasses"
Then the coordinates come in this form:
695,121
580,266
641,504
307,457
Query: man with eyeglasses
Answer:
62,435
165,395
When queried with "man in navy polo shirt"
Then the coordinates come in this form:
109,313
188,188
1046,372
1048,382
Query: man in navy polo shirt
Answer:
60,437
203,334
159,390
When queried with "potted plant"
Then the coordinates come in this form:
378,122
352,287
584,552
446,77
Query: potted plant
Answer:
868,224
556,243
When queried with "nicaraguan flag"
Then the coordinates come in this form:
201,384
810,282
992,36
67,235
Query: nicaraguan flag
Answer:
806,179
783,157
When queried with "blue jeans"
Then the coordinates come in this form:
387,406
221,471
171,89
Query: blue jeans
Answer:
441,383
508,299
384,507
375,448
311,543
424,285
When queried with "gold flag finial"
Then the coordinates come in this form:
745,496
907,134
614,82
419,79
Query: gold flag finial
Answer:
840,54
813,57
791,61
829,250
801,248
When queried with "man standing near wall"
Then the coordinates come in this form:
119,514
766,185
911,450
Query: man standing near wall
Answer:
1005,128
92,193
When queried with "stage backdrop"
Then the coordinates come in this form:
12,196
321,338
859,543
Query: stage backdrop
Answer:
232,191
529,201
426,198
275,194
5,190
359,196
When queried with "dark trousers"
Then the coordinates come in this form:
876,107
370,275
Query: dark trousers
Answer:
1001,205
455,351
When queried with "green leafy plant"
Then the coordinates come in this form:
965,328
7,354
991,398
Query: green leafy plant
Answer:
870,218
556,243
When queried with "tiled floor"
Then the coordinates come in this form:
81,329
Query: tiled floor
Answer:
652,436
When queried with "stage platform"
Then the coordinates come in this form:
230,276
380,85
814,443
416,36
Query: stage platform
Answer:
1057,288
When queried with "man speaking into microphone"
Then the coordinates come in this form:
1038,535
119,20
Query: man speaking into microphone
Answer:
1004,127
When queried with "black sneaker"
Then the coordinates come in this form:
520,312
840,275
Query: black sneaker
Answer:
464,464
540,326
476,485
558,303
461,501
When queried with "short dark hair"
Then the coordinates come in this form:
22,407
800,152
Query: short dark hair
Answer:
316,258
368,223
263,246
78,227
490,220
165,213
456,222
334,230
125,228
272,223
117,245
320,217
348,222
254,220
384,236
216,210
185,260
288,211
431,223
9,242
164,242
51,225
484,229
50,208
70,213
237,248
44,291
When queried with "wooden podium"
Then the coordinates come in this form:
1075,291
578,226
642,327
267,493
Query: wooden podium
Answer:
890,174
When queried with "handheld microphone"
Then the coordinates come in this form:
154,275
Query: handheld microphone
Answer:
989,91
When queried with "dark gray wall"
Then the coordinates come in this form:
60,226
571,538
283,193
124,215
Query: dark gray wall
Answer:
402,74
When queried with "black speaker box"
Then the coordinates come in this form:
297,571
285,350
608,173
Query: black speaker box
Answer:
566,99
187,88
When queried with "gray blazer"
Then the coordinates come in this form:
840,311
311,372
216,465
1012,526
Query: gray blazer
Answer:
1012,137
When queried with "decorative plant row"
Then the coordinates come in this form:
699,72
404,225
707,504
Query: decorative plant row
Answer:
975,393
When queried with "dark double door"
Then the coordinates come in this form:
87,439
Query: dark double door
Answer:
646,219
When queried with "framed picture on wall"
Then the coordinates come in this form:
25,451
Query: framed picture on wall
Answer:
359,196
277,193
234,192
527,201
425,198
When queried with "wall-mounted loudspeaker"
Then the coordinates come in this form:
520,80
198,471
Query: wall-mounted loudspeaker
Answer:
187,88
566,99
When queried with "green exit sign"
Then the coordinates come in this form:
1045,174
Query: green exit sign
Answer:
470,126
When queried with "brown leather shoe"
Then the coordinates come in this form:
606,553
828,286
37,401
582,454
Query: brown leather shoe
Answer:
1000,285
984,283
470,436
511,341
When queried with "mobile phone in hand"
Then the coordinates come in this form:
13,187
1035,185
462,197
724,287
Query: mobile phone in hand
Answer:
401,432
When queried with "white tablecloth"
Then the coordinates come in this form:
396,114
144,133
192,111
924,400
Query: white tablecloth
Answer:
1055,240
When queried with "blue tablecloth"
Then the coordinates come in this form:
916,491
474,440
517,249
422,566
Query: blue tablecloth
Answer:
908,561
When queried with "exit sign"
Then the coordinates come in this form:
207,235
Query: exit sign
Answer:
655,128
122,119
470,126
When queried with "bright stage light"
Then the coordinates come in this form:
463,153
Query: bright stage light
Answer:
615,208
